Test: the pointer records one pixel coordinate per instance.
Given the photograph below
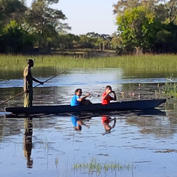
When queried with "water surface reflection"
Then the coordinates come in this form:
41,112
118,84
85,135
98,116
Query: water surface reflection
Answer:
27,147
48,145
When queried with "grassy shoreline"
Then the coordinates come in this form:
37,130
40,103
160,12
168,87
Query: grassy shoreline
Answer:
146,62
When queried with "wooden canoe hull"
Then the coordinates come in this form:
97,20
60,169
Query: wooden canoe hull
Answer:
116,106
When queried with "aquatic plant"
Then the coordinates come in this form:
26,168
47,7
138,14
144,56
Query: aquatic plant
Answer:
167,89
170,89
56,162
94,166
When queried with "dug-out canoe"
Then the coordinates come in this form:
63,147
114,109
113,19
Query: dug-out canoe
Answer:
116,106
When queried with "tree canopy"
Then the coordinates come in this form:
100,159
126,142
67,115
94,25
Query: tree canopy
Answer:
142,26
149,26
37,25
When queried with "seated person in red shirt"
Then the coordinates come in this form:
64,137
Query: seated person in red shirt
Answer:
106,98
106,120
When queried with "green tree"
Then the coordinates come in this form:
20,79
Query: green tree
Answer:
15,39
11,10
171,7
122,5
95,40
68,41
138,28
166,39
45,21
116,41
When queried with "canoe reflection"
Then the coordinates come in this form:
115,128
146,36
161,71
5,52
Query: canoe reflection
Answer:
27,147
106,122
78,122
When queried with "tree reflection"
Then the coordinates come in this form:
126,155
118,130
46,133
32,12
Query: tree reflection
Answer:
27,147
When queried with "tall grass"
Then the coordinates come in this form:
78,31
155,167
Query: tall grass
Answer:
151,63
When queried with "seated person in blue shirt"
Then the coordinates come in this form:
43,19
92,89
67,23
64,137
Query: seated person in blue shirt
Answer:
77,123
78,100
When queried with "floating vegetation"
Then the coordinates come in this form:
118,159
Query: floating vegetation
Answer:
170,87
94,166
167,151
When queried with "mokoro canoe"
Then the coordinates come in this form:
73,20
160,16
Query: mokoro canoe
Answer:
116,106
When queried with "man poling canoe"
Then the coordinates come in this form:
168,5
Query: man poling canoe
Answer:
19,94
28,84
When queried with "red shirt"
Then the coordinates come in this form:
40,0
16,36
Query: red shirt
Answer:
105,120
107,99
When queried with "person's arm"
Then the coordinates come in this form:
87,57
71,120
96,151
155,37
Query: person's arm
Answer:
83,98
114,98
82,123
25,75
106,95
38,81
25,85
113,123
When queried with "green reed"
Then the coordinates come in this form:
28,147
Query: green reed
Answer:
170,89
167,89
94,166
151,63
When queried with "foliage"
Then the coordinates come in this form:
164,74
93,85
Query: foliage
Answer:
170,89
121,6
147,26
22,28
11,10
15,39
138,27
143,26
44,21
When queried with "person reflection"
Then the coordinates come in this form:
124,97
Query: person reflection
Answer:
27,148
106,120
77,123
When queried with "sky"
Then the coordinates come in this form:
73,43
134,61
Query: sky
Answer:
85,16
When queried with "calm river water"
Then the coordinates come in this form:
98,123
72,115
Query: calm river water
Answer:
140,144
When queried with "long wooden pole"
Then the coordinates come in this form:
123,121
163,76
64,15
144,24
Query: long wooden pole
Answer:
5,101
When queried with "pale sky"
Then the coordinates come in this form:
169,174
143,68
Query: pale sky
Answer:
88,15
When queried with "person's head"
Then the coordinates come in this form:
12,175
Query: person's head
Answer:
78,92
107,127
30,63
108,88
78,128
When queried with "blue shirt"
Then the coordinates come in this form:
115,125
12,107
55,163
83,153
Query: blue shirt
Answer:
74,121
74,101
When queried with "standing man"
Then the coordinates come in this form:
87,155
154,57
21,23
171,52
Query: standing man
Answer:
28,84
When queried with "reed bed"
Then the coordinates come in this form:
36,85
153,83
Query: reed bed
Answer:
152,63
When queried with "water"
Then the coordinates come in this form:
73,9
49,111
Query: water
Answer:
140,144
